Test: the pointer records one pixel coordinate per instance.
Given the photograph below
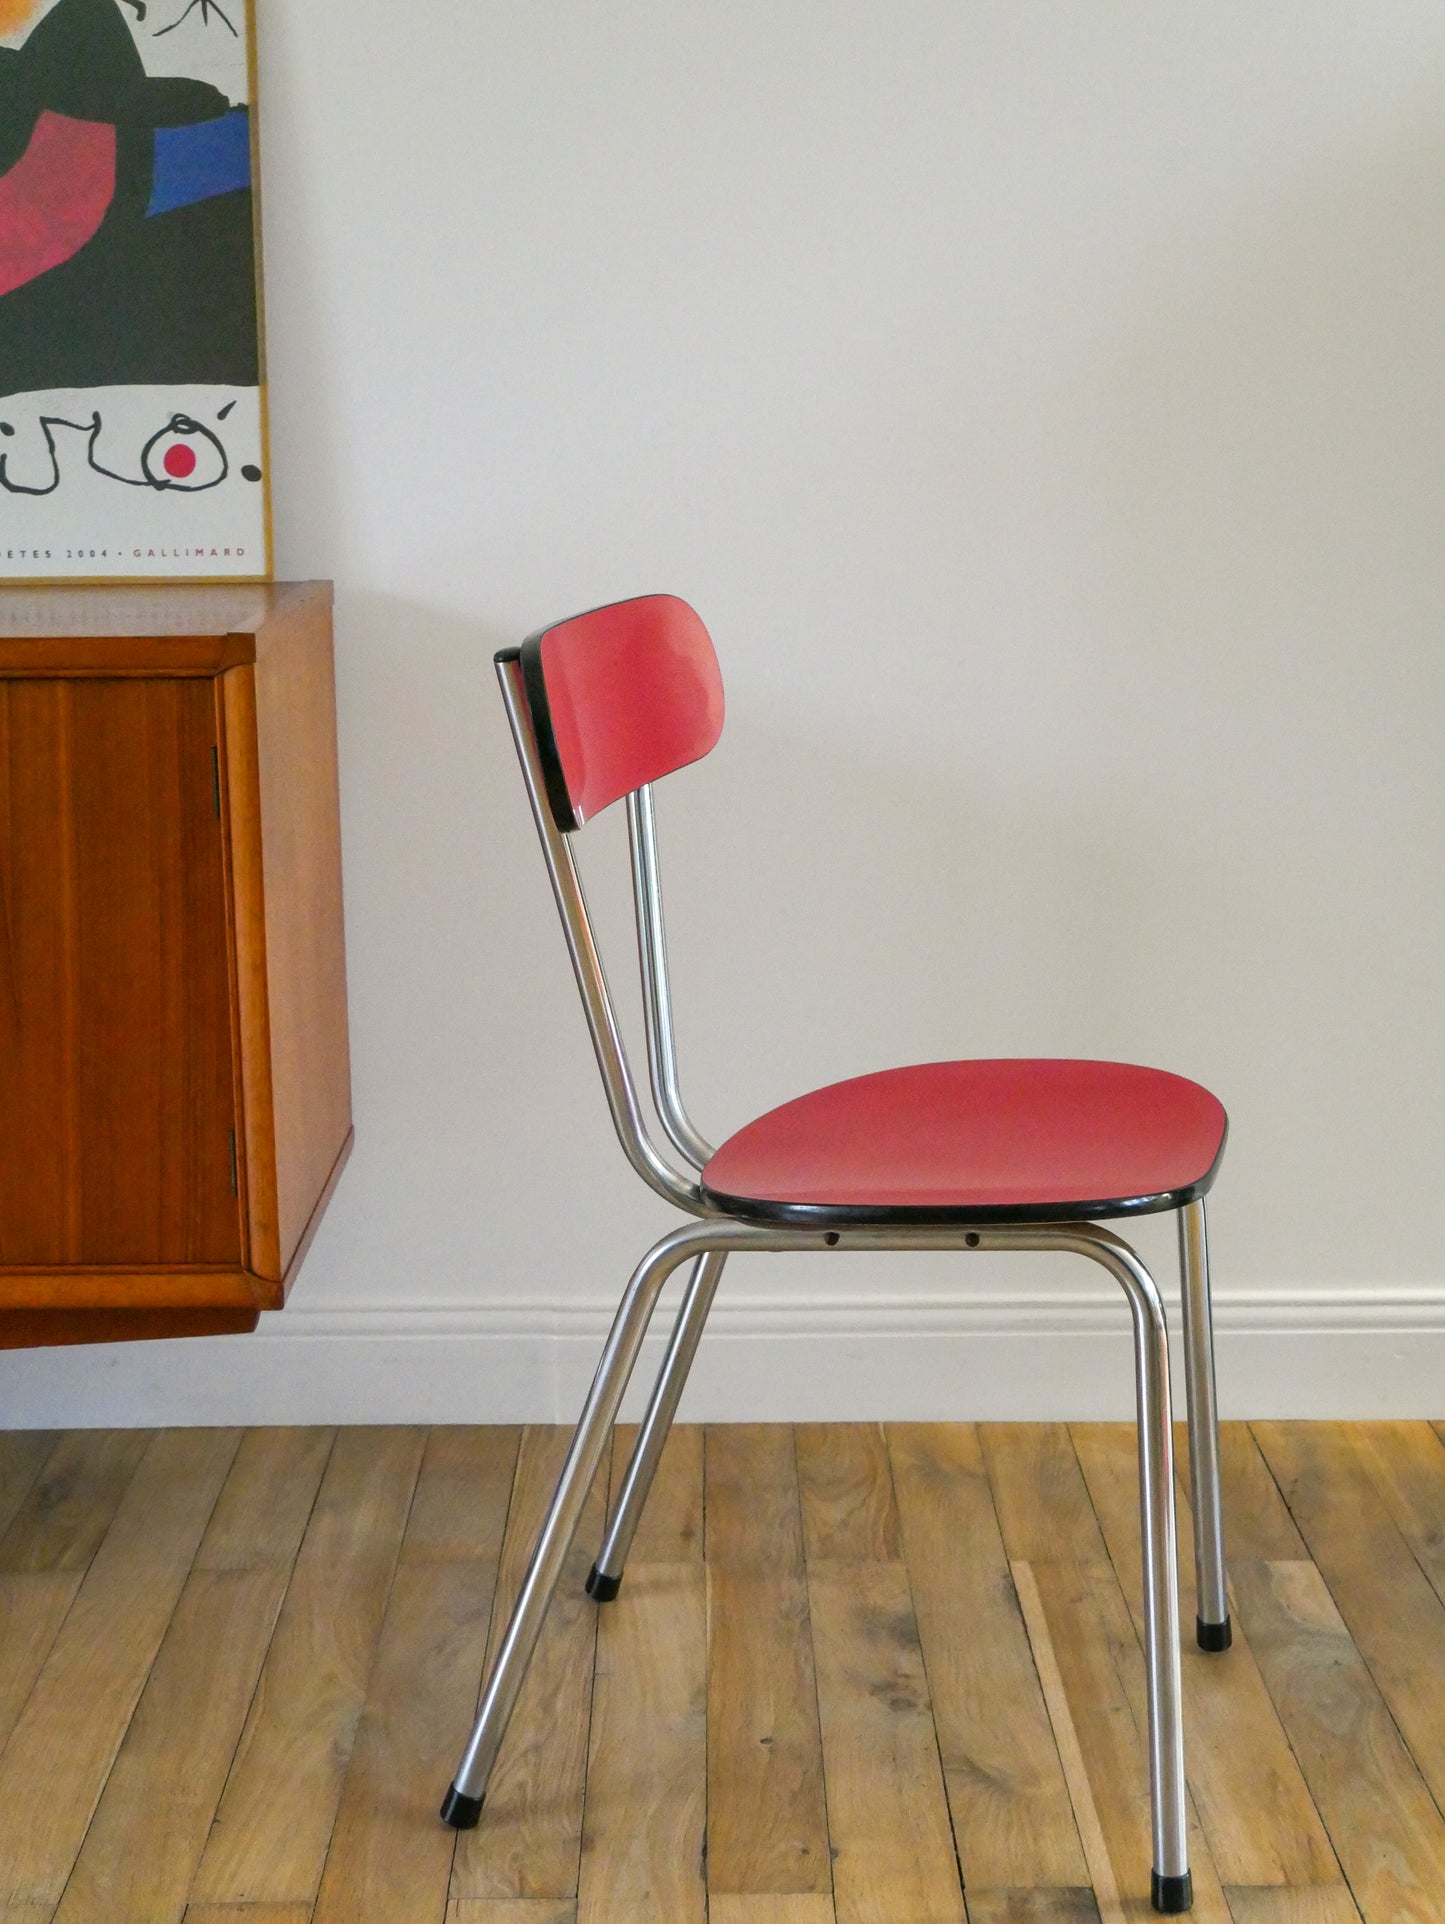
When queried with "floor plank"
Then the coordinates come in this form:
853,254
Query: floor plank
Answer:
51,1534
767,1821
1406,1464
671,1526
643,1845
54,1768
390,1860
23,1455
1012,1818
140,1856
1094,1682
463,1495
510,1910
1256,1810
1038,1488
1258,1527
269,1841
893,1854
65,1514
846,1485
267,1500
33,1606
1393,1614
1076,1906
792,1908
248,1914
1385,1829
753,1509
1269,1904
531,1842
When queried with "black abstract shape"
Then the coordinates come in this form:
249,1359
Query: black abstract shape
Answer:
138,7
92,429
170,299
207,7
250,472
225,410
49,422
182,424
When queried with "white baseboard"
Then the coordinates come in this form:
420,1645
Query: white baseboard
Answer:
1001,1356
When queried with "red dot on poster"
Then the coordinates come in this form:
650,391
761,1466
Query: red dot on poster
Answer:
179,462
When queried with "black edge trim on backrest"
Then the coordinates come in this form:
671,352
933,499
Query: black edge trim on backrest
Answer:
534,687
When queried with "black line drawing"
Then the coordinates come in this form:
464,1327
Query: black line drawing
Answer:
207,7
47,423
178,424
138,7
161,483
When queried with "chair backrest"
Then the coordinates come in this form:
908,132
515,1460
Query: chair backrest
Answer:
600,707
619,697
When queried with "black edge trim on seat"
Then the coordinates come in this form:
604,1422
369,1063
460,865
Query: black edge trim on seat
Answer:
534,686
874,1215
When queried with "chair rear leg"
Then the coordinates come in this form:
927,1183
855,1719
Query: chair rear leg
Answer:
605,1579
1212,1624
462,1806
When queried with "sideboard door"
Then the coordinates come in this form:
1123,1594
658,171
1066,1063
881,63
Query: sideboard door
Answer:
117,1084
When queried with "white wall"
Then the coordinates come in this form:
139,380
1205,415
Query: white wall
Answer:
1043,404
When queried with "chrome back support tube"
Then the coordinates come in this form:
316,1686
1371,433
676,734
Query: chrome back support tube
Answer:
627,1118
688,1141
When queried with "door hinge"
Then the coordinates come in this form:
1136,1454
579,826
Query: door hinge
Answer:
235,1181
216,781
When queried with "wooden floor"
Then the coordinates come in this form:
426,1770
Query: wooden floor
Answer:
855,1676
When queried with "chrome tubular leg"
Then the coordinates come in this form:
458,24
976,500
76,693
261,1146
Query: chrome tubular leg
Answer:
463,1804
1212,1622
606,1578
1172,1890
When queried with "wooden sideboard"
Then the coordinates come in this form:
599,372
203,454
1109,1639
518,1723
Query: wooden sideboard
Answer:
175,1089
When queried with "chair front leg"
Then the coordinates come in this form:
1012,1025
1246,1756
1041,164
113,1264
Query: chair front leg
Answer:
1172,1889
462,1806
605,1579
1212,1624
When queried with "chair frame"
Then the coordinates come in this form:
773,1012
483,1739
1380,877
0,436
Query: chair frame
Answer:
709,1241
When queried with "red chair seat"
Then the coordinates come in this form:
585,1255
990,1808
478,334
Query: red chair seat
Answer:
992,1141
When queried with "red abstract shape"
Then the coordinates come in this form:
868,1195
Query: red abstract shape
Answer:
179,463
54,198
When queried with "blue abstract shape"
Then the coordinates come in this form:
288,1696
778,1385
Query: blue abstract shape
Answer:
200,161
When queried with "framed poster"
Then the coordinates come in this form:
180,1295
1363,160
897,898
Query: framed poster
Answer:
132,396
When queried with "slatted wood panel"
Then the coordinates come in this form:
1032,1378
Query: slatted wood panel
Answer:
854,1675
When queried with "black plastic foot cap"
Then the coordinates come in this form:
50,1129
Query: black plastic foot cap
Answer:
602,1589
1172,1895
1213,1636
459,1811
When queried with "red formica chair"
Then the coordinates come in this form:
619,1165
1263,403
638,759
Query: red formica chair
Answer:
944,1155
